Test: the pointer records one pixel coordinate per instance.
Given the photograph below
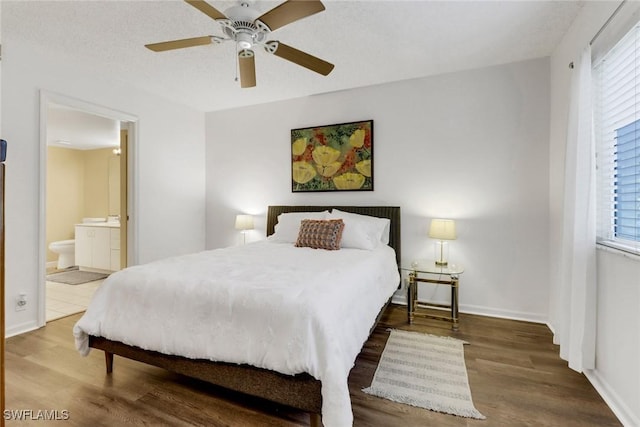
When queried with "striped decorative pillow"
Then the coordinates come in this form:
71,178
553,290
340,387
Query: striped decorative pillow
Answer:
320,234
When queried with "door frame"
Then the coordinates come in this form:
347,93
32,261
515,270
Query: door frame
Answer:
46,98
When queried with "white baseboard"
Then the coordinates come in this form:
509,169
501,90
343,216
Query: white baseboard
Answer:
400,297
612,399
21,329
504,314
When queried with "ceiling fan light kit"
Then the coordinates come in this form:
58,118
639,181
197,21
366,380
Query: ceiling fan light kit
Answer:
247,65
248,28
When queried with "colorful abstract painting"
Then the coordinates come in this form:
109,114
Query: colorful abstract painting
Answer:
332,158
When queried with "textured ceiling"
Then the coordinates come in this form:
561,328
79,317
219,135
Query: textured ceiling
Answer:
370,42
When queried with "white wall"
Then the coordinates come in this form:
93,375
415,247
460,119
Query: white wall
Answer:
169,173
617,373
472,146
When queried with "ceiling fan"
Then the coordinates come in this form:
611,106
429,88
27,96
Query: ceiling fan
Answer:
250,29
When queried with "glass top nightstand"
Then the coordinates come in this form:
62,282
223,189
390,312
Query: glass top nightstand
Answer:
427,271
430,266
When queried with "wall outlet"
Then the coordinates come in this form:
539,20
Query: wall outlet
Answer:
21,302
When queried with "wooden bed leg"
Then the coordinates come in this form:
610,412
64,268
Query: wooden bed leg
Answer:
108,358
315,420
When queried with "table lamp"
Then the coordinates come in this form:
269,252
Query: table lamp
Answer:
244,223
442,229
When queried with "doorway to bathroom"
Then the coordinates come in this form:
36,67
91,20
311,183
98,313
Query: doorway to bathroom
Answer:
85,215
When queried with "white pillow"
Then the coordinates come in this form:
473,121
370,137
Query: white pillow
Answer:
288,226
362,231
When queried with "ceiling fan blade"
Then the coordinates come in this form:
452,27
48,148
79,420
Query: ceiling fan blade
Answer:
290,11
207,9
247,62
179,44
299,57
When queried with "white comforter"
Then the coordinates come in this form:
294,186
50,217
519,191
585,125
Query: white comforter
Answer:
266,304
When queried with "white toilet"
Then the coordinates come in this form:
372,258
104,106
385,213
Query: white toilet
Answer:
66,250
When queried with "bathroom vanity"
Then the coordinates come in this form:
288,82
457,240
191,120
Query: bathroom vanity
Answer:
98,246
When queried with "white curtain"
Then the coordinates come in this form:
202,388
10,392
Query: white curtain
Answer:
575,328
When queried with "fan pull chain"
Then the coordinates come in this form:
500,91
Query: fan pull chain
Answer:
237,64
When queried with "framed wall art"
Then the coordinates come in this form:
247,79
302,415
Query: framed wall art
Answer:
332,158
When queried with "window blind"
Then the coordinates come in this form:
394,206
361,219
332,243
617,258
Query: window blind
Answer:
617,134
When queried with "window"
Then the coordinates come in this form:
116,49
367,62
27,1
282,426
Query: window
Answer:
627,180
617,134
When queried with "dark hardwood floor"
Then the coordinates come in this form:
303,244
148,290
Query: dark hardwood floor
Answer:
516,378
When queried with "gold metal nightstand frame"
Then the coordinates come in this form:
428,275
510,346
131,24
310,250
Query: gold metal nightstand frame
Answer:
413,305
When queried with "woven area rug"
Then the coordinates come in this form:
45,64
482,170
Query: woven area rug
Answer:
75,277
426,371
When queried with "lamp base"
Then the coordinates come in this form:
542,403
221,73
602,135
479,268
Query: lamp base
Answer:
441,253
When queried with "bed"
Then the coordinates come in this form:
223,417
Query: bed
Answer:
310,378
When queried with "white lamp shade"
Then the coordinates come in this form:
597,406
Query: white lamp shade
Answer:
443,229
244,222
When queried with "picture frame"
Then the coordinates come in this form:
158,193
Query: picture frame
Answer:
337,157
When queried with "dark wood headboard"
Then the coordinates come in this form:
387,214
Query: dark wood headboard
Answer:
391,212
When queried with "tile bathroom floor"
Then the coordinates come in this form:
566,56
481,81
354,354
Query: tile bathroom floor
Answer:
64,300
